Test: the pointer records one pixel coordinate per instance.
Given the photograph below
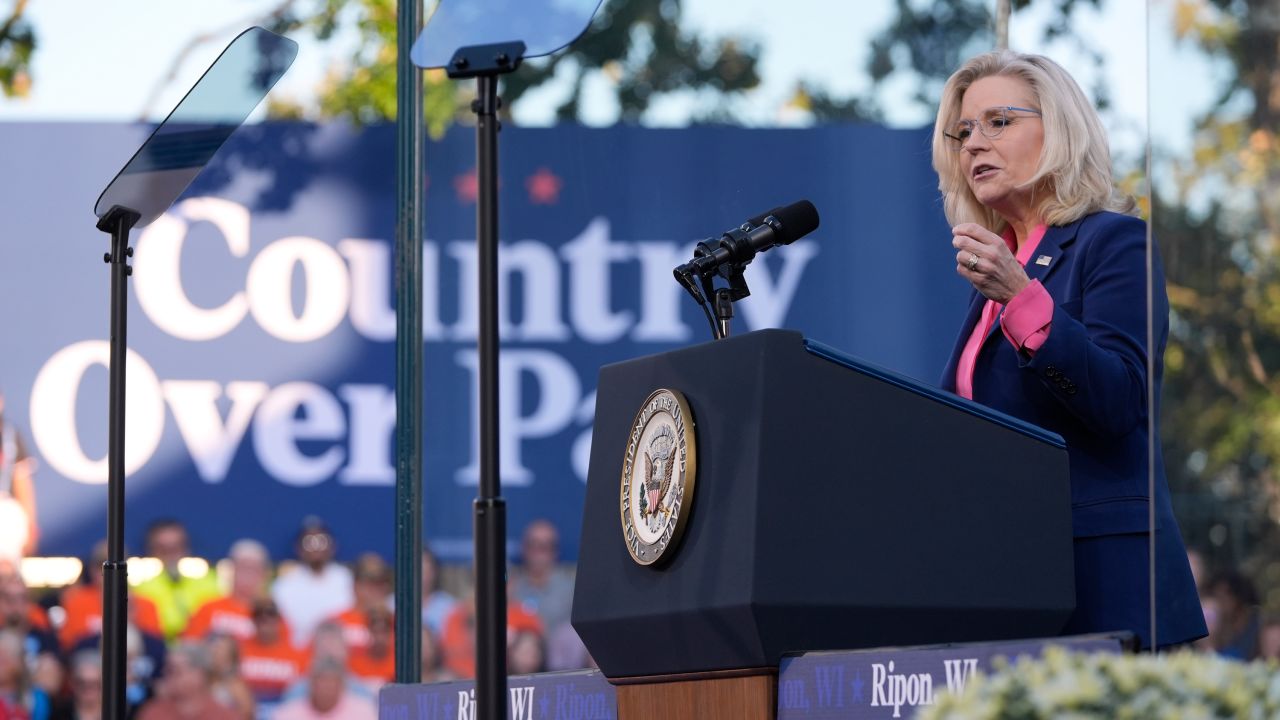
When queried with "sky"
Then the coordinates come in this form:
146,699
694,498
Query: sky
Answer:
84,72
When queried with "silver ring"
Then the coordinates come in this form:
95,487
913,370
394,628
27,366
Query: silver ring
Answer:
973,262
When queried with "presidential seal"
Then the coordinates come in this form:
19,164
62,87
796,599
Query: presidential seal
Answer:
658,475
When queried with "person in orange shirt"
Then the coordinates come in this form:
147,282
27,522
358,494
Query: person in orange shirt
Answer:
375,663
458,641
269,663
233,614
371,587
82,605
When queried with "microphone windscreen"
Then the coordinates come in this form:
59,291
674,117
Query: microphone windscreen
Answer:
797,219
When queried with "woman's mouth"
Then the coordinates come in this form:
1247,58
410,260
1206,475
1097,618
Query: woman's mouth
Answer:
982,172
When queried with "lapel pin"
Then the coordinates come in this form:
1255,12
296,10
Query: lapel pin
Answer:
1044,260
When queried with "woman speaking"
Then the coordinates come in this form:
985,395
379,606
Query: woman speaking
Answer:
1056,332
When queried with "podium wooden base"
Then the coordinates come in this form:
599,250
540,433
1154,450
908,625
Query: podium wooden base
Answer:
724,695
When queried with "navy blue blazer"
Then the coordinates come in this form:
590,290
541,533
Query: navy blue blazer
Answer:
1088,383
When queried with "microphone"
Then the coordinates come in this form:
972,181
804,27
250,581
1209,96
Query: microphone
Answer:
780,226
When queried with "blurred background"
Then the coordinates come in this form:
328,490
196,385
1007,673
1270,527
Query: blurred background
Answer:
260,413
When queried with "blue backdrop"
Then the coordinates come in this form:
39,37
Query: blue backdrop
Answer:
262,324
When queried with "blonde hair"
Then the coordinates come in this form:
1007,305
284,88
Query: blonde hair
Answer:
1073,177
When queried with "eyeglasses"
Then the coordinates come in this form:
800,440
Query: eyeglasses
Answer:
991,124
315,542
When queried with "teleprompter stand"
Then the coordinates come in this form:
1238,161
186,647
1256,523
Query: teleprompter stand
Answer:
117,222
485,39
153,179
485,63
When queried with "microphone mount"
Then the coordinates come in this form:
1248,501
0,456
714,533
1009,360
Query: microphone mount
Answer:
727,257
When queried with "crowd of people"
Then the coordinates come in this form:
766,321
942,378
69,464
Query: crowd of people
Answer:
311,639
314,638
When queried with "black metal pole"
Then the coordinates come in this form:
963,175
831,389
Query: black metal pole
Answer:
409,235
118,221
490,508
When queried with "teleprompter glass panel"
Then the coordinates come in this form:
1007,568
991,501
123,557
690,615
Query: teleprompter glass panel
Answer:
216,105
544,26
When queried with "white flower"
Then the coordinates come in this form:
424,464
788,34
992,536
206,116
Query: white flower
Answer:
1077,686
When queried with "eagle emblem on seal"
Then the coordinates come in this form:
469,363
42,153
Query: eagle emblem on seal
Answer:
658,466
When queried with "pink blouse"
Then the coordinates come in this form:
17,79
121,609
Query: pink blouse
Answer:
1025,320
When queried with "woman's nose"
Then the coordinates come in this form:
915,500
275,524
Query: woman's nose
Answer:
977,141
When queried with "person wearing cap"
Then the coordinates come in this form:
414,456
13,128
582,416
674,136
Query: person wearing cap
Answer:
318,588
233,614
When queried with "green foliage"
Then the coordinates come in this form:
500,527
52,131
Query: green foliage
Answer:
641,48
17,44
926,42
1217,217
637,44
362,89
929,41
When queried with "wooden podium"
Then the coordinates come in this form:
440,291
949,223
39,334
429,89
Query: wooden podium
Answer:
716,695
836,506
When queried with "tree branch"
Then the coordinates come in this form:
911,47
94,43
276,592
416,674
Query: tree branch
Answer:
1252,359
1222,375
196,41
18,8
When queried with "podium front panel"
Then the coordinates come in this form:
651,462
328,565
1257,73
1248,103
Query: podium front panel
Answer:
837,506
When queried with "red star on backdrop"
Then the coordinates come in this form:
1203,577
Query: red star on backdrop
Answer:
466,186
544,187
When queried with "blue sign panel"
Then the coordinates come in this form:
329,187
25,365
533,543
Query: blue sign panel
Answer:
545,696
261,311
896,683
